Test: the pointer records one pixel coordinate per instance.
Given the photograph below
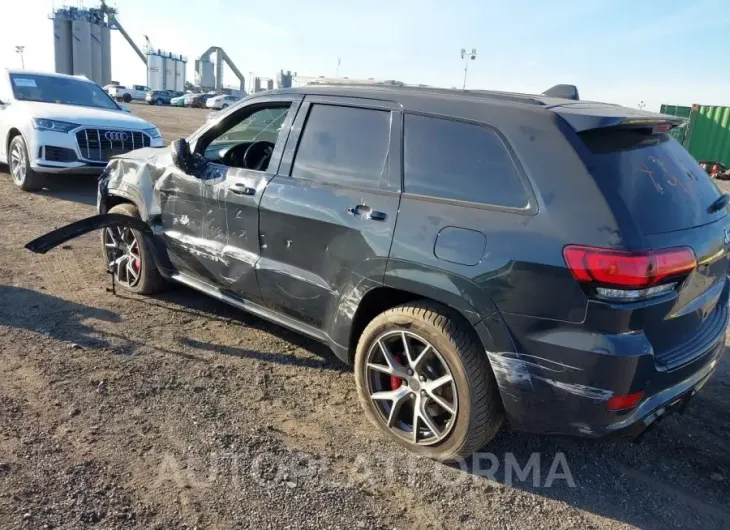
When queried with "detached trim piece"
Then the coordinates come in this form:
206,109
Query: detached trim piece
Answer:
59,236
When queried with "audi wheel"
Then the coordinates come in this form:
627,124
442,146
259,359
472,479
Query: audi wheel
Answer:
424,379
20,169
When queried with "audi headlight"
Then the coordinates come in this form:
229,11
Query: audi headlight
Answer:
154,132
43,124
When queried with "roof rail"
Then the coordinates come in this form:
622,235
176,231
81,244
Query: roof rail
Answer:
563,92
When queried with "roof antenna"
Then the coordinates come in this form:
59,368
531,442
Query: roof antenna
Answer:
562,92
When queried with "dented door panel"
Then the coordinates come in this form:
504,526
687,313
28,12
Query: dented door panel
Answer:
322,244
311,245
191,220
236,199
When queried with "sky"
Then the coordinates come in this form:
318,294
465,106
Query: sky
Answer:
620,51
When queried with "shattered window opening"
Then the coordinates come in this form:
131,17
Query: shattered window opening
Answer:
263,125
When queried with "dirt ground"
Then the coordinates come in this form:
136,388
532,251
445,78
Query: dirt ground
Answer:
177,411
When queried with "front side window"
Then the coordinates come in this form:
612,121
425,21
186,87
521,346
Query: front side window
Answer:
262,125
249,143
457,160
344,145
60,90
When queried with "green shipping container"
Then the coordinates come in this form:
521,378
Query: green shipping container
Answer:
708,137
676,110
679,133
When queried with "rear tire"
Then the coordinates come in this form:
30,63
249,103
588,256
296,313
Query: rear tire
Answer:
159,101
476,406
126,98
149,280
20,169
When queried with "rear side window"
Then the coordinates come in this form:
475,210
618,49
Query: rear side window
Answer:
458,160
344,145
663,187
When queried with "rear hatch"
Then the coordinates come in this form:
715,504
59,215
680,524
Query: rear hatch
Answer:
647,175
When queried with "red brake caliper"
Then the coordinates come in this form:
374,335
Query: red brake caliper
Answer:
395,381
135,261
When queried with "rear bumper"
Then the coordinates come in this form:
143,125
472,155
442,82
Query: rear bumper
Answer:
670,400
564,376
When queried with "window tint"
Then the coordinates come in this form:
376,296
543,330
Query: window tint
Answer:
262,125
457,160
663,187
344,145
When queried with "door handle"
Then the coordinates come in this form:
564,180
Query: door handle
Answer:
242,189
365,212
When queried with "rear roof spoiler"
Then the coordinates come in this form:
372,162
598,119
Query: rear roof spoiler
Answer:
585,116
562,92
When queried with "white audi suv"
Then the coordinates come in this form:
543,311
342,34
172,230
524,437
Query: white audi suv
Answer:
53,123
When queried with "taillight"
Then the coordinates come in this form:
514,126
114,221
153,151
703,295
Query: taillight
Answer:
627,275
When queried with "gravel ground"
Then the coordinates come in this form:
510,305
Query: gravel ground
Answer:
176,411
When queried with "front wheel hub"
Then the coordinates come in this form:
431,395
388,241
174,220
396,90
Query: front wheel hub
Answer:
123,255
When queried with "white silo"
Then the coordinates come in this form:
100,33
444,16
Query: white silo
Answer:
63,51
155,71
106,56
81,33
96,54
180,75
170,73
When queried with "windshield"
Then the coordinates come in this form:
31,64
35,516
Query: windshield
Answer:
60,90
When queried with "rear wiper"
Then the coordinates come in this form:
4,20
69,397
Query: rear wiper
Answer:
719,203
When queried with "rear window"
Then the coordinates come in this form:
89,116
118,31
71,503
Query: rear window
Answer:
663,187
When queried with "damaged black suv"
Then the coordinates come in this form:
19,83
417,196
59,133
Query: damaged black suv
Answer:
475,255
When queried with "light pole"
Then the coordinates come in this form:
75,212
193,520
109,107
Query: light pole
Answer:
467,57
19,51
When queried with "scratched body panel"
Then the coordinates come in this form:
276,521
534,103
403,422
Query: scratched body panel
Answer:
313,245
166,197
326,238
240,223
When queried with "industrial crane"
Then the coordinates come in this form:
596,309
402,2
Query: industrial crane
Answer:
114,24
220,57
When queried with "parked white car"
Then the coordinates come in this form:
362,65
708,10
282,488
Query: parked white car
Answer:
125,94
53,123
221,102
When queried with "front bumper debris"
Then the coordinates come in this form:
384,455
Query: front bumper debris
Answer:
51,240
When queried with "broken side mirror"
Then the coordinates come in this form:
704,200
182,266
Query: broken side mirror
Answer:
180,154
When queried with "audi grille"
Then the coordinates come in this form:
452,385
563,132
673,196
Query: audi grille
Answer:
99,145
